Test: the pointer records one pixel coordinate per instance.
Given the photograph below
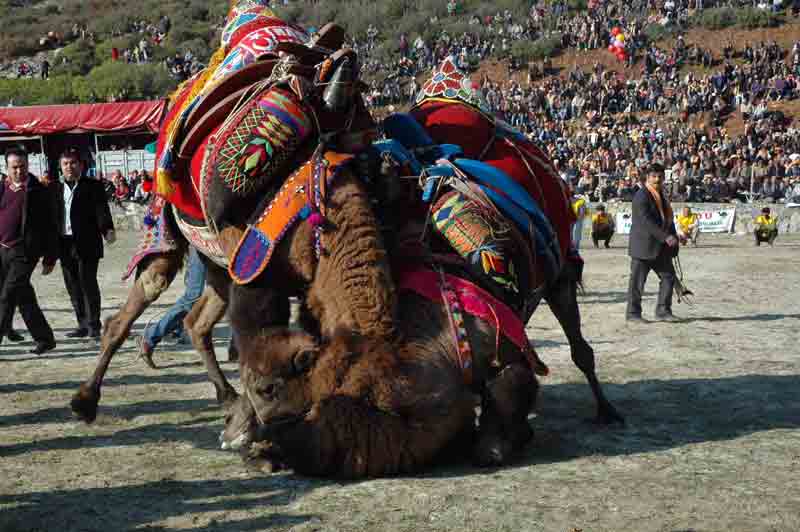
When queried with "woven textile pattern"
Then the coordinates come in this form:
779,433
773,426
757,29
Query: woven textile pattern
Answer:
265,138
478,236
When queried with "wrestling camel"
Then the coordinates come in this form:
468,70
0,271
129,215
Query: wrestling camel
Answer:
237,209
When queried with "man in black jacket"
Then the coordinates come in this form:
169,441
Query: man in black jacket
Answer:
84,220
652,245
28,232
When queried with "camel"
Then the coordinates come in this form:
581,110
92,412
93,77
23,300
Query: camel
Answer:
349,407
335,260
353,407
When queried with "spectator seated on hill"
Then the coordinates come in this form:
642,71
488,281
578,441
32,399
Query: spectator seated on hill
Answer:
602,227
688,227
766,229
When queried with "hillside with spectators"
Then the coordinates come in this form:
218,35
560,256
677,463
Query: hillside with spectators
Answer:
709,87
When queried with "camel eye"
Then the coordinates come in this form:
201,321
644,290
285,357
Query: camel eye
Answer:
304,360
269,391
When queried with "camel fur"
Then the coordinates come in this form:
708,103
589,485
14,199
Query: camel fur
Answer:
355,407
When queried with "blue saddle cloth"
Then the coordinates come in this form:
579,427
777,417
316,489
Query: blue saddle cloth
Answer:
409,144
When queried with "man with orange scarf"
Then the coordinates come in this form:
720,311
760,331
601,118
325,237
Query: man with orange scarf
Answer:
653,244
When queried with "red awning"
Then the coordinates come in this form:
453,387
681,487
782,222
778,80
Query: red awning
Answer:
99,117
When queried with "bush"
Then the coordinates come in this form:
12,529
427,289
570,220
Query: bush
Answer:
76,59
526,51
117,80
657,32
725,17
756,18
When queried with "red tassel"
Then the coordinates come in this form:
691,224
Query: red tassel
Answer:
316,219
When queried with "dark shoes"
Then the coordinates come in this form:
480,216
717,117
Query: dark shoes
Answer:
43,347
145,352
669,318
95,334
14,336
78,333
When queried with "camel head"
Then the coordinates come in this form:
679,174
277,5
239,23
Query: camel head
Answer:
274,378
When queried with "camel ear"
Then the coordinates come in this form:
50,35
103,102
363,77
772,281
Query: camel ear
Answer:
304,360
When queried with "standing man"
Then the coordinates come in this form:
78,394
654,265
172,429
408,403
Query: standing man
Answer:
84,219
28,232
652,245
579,207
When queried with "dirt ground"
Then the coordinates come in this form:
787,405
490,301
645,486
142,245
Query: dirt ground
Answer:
712,441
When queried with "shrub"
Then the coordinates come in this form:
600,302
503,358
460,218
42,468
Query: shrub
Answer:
756,18
714,19
76,59
526,51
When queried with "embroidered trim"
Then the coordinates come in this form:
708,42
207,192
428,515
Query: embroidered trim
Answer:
298,198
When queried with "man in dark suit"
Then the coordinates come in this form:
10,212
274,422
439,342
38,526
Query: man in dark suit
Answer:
28,232
84,220
653,244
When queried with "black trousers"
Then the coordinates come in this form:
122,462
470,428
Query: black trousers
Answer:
603,234
80,278
17,291
765,235
662,265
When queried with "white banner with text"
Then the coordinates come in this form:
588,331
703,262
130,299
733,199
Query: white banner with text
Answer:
719,221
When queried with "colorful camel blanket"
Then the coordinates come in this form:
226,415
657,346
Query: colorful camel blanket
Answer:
251,32
450,110
476,302
157,234
302,197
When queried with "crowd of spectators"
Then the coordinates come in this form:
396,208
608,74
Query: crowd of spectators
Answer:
135,187
601,127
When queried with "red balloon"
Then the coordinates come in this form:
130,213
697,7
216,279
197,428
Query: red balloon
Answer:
613,49
147,186
615,31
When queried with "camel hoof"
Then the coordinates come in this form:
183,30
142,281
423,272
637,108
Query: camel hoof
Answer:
607,415
84,403
492,454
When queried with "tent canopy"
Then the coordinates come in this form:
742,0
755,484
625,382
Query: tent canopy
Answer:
95,117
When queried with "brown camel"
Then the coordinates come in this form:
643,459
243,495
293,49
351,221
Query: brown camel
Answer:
316,92
348,288
354,407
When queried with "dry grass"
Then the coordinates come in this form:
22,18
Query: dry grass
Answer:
711,443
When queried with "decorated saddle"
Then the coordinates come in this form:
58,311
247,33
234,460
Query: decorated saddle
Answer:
449,109
235,131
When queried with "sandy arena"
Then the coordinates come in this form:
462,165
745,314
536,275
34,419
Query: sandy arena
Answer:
712,441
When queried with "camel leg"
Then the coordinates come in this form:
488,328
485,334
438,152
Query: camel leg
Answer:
154,278
503,426
563,301
200,322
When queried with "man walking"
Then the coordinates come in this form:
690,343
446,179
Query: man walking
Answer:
652,245
28,232
194,282
84,219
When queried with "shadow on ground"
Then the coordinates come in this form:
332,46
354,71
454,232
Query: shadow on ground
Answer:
664,414
154,377
195,431
137,506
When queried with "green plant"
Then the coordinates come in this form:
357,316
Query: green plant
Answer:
526,51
